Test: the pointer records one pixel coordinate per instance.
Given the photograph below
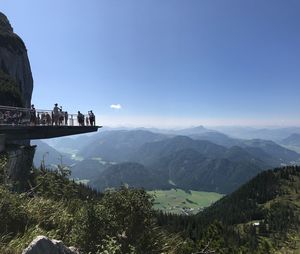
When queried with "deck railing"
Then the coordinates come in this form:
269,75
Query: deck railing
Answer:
27,117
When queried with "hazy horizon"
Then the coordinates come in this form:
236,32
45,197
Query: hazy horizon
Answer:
181,123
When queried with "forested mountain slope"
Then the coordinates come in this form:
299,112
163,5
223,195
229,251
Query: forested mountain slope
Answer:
262,216
186,163
118,146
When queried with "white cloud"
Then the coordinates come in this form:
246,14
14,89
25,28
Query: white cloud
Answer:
115,106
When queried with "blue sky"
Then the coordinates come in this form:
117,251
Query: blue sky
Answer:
165,62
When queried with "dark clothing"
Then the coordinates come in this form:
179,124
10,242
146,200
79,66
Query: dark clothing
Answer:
66,118
92,118
80,118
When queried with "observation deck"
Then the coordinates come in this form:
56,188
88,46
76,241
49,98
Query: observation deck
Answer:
24,123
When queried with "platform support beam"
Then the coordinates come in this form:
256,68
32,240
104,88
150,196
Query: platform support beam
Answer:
2,142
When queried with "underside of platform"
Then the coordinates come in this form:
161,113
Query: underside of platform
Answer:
13,133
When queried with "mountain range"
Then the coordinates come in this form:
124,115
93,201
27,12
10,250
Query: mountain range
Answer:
275,134
50,156
202,159
186,163
292,142
118,146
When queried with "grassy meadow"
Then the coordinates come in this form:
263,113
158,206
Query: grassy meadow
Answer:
183,202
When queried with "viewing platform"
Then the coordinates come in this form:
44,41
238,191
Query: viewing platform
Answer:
23,123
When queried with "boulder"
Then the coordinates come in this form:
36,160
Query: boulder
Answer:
43,245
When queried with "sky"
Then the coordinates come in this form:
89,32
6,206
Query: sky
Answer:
165,63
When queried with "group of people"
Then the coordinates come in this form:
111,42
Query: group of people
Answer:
56,117
90,119
11,117
59,117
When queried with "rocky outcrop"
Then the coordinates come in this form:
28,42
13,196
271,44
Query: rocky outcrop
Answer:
19,165
14,60
43,245
16,85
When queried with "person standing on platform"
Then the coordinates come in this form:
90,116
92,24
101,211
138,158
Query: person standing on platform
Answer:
66,118
87,121
55,113
92,118
32,115
49,120
80,119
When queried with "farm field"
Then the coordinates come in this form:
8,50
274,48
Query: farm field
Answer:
183,202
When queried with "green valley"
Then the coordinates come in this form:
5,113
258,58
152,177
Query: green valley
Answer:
179,201
262,216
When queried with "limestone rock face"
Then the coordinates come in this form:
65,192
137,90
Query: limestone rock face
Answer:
43,245
17,169
14,60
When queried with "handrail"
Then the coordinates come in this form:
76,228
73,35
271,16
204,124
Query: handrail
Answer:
13,108
40,117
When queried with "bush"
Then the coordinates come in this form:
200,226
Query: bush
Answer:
13,216
119,221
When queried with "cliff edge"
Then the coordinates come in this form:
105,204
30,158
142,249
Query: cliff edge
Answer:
16,85
15,72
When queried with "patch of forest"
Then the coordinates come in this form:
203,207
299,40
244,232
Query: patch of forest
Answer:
263,216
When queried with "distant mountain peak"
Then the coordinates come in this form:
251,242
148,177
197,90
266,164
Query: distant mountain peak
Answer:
199,127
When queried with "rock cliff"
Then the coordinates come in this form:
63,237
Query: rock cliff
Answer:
19,164
16,85
14,60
